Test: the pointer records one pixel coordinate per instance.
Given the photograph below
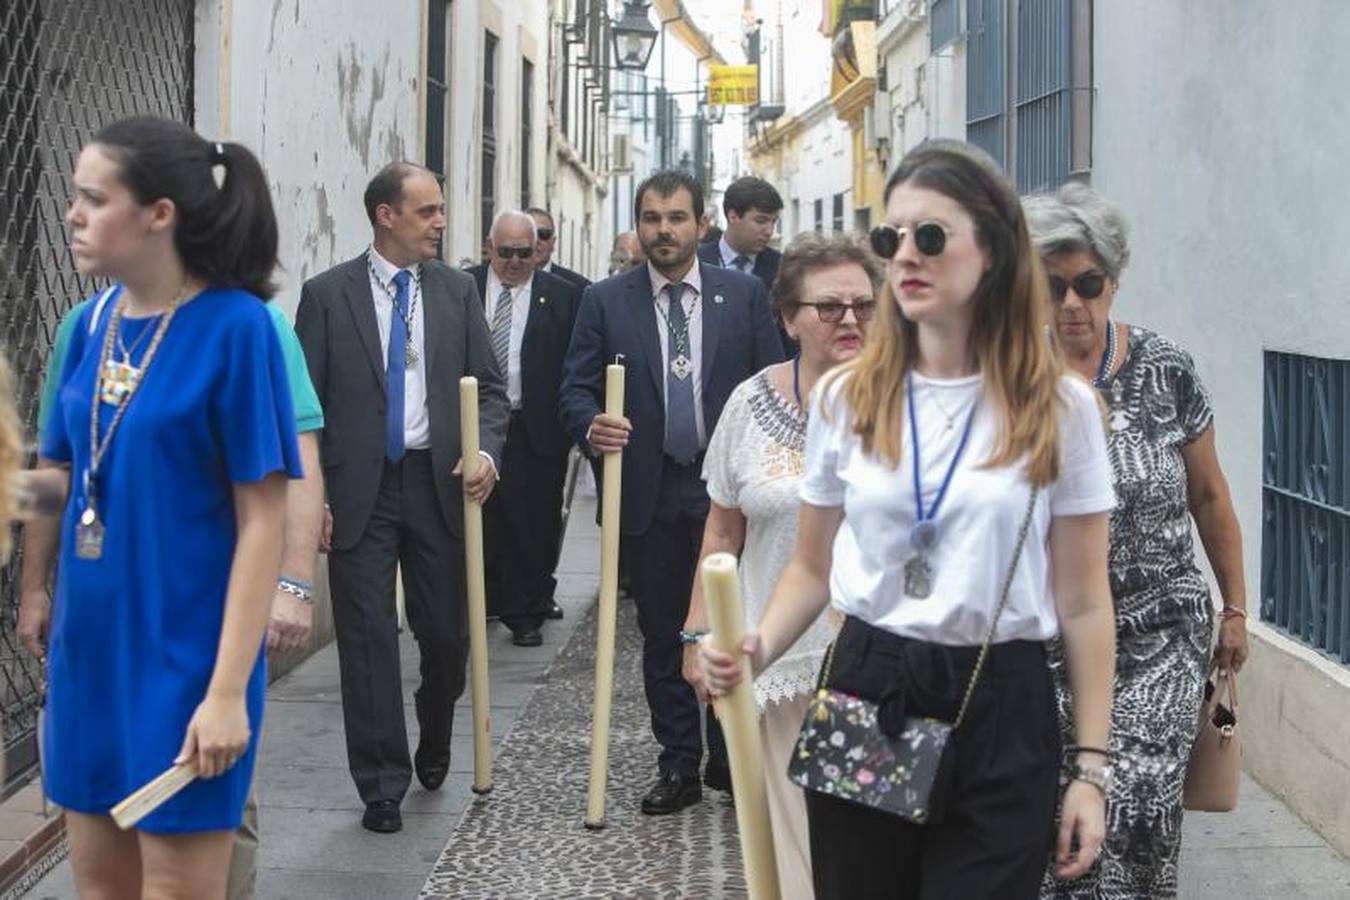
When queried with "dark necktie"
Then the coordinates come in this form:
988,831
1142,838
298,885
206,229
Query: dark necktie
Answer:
681,421
742,263
396,369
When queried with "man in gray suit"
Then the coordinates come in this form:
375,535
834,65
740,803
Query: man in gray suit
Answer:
387,337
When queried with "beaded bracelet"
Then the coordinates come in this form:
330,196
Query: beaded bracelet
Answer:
300,590
691,637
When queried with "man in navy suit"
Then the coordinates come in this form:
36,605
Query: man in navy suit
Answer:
752,207
688,333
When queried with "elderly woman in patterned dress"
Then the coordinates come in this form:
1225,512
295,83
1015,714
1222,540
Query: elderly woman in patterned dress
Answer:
1161,444
753,468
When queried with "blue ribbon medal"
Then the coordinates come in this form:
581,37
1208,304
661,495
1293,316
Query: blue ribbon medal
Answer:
919,572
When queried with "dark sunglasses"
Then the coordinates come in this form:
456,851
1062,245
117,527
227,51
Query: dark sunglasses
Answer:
517,252
831,312
1088,286
545,234
929,237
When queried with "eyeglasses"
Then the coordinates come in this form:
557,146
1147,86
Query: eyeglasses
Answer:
1088,286
929,237
545,234
831,312
517,252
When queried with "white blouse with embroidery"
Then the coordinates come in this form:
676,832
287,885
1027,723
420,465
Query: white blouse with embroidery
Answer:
754,464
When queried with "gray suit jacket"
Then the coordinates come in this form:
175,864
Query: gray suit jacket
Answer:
337,327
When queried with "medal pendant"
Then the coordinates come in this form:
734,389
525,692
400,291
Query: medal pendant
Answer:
89,535
919,577
410,356
923,535
680,367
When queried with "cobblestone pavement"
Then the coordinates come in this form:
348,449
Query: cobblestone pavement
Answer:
526,838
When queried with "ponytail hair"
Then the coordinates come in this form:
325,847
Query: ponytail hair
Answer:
226,232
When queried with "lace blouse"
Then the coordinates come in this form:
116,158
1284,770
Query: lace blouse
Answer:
754,464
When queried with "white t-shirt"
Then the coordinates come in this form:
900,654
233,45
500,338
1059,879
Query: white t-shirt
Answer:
978,520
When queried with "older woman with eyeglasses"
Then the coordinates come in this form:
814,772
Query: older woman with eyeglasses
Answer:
825,296
1162,449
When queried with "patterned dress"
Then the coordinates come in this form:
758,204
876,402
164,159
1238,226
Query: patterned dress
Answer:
1164,620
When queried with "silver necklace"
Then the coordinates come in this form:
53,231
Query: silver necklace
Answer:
680,366
935,393
410,355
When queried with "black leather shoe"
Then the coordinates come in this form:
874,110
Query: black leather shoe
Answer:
672,793
554,610
717,778
527,637
431,769
382,817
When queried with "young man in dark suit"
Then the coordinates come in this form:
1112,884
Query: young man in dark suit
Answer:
530,315
387,337
689,333
752,207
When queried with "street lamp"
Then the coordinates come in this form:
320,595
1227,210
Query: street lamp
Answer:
634,36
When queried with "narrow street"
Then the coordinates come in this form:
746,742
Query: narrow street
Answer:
526,840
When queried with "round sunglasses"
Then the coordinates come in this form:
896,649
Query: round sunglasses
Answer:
1087,286
929,237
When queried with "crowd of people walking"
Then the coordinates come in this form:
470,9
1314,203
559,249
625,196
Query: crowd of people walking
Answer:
960,490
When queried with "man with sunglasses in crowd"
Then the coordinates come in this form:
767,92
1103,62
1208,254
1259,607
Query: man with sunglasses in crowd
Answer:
546,243
530,314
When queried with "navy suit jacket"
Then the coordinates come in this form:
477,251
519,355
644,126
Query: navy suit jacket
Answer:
618,316
766,263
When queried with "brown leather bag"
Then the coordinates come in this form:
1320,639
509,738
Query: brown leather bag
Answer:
1215,767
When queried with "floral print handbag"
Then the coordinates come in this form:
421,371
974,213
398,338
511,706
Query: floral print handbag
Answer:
843,752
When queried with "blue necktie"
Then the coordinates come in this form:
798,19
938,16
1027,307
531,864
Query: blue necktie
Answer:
396,369
681,424
742,263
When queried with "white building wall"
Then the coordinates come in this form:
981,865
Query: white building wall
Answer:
326,94
1220,128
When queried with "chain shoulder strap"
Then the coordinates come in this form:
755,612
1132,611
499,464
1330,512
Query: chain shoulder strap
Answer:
1002,602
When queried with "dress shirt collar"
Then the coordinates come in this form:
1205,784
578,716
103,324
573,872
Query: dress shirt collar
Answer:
385,270
729,254
495,286
693,278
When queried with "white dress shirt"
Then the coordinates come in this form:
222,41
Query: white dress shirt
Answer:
520,314
416,422
693,314
729,255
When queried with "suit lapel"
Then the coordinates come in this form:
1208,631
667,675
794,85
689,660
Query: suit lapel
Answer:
362,306
434,300
713,302
644,318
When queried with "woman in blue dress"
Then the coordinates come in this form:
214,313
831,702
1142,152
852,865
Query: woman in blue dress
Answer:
175,419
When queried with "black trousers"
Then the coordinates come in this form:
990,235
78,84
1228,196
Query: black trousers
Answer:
407,527
995,838
662,562
522,525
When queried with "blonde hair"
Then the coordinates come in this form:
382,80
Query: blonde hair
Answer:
1021,368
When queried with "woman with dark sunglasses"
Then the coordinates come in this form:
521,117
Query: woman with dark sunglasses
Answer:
954,497
1167,472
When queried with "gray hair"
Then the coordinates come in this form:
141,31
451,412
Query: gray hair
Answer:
508,214
1076,218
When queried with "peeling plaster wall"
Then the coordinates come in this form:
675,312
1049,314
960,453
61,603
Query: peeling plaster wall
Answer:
325,93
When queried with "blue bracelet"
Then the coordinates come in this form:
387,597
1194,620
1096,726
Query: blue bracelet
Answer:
691,637
301,590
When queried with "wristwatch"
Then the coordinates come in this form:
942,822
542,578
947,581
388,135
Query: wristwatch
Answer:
1099,777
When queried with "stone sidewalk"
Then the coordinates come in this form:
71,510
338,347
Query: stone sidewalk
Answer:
526,840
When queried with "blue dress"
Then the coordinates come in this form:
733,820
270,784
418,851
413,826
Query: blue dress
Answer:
134,634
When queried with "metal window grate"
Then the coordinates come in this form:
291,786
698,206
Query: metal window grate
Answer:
1044,92
944,23
1305,551
986,81
66,70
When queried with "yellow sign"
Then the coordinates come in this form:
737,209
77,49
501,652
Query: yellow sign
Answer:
733,85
